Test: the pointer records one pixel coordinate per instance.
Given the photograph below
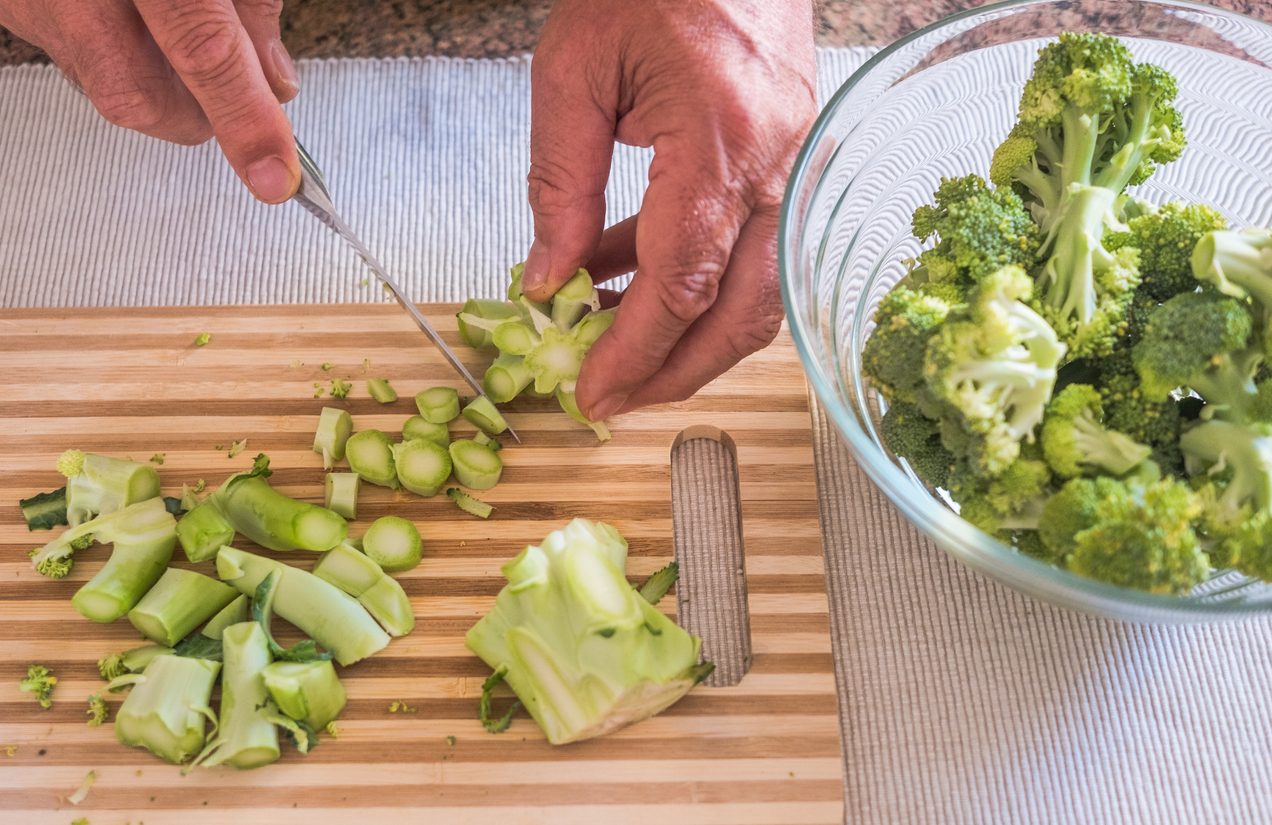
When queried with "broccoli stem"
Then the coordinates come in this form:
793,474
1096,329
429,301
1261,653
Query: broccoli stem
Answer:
233,613
247,736
1075,252
476,310
571,407
487,441
475,466
277,522
1116,452
104,485
334,428
319,609
515,338
340,494
167,711
573,299
178,603
393,543
483,415
44,511
506,377
657,585
416,427
381,390
422,466
360,577
308,692
203,530
469,504
438,405
370,455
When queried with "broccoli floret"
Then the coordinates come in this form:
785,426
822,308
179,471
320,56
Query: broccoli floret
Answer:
1165,240
893,355
1091,122
40,681
1070,511
916,438
1239,264
1141,536
1236,458
980,230
1203,341
97,710
992,366
1246,547
1011,501
1076,441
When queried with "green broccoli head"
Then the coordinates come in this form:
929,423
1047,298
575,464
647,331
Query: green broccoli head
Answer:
912,436
1142,536
980,230
1165,239
893,355
1198,340
992,366
1011,501
1246,547
1070,511
1075,440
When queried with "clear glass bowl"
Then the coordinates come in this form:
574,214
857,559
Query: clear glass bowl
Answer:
936,104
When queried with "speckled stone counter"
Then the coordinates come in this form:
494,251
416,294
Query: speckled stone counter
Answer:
497,28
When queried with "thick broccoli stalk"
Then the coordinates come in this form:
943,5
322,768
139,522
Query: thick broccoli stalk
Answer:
167,711
980,230
1239,264
992,366
1075,440
577,644
97,485
1091,123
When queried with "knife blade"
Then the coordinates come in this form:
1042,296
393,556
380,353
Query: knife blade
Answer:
315,198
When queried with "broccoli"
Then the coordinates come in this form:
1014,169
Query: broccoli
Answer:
167,710
40,681
980,229
97,711
905,321
1011,501
1239,264
992,366
1091,122
913,436
1236,459
1075,440
97,485
1165,239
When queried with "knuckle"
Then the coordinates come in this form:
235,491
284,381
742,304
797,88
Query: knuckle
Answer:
128,105
260,8
553,189
753,335
691,288
207,51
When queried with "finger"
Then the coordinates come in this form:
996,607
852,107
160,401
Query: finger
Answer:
745,318
616,252
111,56
208,47
260,21
686,231
572,116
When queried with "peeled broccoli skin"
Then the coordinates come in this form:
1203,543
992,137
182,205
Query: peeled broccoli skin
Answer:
1239,264
980,230
1091,122
893,355
992,366
1075,440
916,438
1165,239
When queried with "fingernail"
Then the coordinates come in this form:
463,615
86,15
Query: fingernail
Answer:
284,69
606,407
536,272
271,180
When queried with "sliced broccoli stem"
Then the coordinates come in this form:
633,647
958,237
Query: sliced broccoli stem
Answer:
475,466
1076,253
317,608
360,577
167,711
129,661
483,415
469,504
393,543
487,441
422,466
657,585
1116,452
305,650
416,427
340,493
233,613
178,603
277,522
103,485
571,407
247,736
438,405
308,692
575,297
203,530
506,377
334,428
515,337
381,390
370,455
475,333
44,511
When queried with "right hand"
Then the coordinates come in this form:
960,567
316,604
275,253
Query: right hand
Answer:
180,70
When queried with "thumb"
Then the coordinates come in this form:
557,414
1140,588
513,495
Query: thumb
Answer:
571,144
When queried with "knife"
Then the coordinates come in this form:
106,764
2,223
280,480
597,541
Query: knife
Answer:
313,195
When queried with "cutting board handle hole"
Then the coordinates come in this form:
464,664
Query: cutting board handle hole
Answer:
711,596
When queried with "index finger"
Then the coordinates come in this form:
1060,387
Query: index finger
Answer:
684,238
208,47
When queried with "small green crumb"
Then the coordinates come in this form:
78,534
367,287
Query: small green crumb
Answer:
332,730
199,486
366,364
398,706
340,388
157,458
97,710
80,820
327,366
236,448
9,750
202,339
40,681
450,740
317,390
364,282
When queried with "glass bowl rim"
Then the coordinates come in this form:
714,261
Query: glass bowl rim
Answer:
971,546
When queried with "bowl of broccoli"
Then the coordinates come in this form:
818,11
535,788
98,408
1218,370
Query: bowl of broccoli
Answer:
1026,255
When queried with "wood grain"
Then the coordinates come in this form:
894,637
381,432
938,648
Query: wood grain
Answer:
131,383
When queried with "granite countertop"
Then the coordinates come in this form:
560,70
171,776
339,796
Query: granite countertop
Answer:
497,28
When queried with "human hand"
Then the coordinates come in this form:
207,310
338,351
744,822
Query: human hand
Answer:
180,70
723,91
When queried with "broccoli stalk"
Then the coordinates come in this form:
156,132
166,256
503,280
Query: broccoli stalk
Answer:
178,603
358,575
143,535
1239,264
167,710
308,692
577,644
1075,440
97,485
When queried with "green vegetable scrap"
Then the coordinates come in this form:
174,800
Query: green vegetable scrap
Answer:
370,455
340,388
98,711
399,706
39,682
236,448
335,426
202,339
381,390
393,543
469,504
81,793
167,710
578,645
360,576
44,511
157,458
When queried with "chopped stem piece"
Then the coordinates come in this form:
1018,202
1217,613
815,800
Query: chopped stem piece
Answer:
475,466
308,692
178,603
487,441
657,585
370,455
276,521
340,493
417,427
393,543
477,310
44,511
469,504
360,577
381,390
422,466
130,661
233,613
506,377
483,415
515,337
167,711
438,404
334,428
99,485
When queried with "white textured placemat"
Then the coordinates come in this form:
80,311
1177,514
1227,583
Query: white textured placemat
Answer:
962,701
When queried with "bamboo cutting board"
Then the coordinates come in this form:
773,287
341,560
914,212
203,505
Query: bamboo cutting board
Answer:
130,383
